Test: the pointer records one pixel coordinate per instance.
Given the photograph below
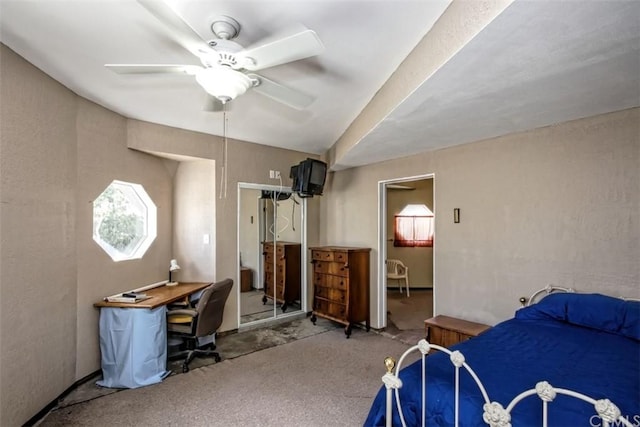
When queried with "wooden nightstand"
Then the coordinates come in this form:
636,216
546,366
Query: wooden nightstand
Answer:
447,331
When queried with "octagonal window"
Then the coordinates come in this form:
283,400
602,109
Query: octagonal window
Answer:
124,221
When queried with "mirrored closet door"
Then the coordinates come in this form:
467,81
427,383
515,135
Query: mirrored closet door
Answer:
272,254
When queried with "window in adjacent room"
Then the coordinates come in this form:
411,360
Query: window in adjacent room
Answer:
124,221
414,227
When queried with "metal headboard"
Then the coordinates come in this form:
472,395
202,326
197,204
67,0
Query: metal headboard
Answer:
541,293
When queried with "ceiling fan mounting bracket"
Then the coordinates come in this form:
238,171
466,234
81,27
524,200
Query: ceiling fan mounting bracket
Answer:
225,27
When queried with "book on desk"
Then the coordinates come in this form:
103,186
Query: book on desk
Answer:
128,297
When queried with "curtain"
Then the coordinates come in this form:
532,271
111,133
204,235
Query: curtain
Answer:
413,231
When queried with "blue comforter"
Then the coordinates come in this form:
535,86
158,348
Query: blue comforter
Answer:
516,354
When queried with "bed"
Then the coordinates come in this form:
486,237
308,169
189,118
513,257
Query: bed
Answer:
555,361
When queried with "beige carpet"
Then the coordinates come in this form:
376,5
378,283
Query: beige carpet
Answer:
323,380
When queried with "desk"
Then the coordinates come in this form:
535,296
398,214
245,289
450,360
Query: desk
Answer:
133,337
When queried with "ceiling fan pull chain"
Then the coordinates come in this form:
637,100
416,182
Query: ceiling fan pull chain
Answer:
223,185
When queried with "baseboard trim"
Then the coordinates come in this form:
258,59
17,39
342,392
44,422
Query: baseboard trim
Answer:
44,411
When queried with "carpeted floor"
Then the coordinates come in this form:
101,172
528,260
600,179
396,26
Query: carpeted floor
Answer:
228,346
405,325
318,380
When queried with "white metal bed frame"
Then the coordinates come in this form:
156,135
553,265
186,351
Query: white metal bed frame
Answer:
495,415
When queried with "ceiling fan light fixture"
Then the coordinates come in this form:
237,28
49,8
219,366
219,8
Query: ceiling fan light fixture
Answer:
223,83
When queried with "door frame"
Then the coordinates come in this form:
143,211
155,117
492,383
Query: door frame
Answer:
381,303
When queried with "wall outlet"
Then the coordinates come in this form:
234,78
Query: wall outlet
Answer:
274,174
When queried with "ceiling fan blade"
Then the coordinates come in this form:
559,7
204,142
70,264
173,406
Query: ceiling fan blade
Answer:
181,31
213,104
282,94
153,68
275,51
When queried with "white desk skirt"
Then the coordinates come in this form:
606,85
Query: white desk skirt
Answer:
133,346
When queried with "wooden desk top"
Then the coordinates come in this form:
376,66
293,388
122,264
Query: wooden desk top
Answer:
162,295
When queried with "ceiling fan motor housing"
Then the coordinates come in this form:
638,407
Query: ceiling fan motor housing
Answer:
223,82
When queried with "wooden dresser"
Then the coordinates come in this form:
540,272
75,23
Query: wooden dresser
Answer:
341,285
287,272
447,331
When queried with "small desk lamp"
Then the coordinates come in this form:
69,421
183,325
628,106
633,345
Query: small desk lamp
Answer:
173,266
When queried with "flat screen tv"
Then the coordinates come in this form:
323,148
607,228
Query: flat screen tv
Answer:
308,177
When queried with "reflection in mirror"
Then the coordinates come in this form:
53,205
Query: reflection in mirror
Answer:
270,237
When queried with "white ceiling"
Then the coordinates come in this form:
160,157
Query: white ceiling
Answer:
538,63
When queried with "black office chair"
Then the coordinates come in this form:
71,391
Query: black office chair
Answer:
204,319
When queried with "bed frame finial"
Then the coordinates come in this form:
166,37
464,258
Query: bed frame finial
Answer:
389,363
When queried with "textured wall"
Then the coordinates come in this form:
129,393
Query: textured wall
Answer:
554,205
194,213
38,237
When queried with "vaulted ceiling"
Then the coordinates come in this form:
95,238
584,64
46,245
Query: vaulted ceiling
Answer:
396,77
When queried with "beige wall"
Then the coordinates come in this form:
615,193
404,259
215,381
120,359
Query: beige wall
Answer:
419,260
37,237
194,218
555,205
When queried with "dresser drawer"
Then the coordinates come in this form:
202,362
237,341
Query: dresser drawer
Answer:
268,250
329,281
329,256
322,256
334,309
331,295
280,268
335,268
279,280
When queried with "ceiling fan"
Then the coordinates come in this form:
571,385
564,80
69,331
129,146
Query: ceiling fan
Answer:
227,68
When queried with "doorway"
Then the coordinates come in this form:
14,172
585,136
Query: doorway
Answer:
402,311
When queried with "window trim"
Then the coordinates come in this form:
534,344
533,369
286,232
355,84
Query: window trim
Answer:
150,223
